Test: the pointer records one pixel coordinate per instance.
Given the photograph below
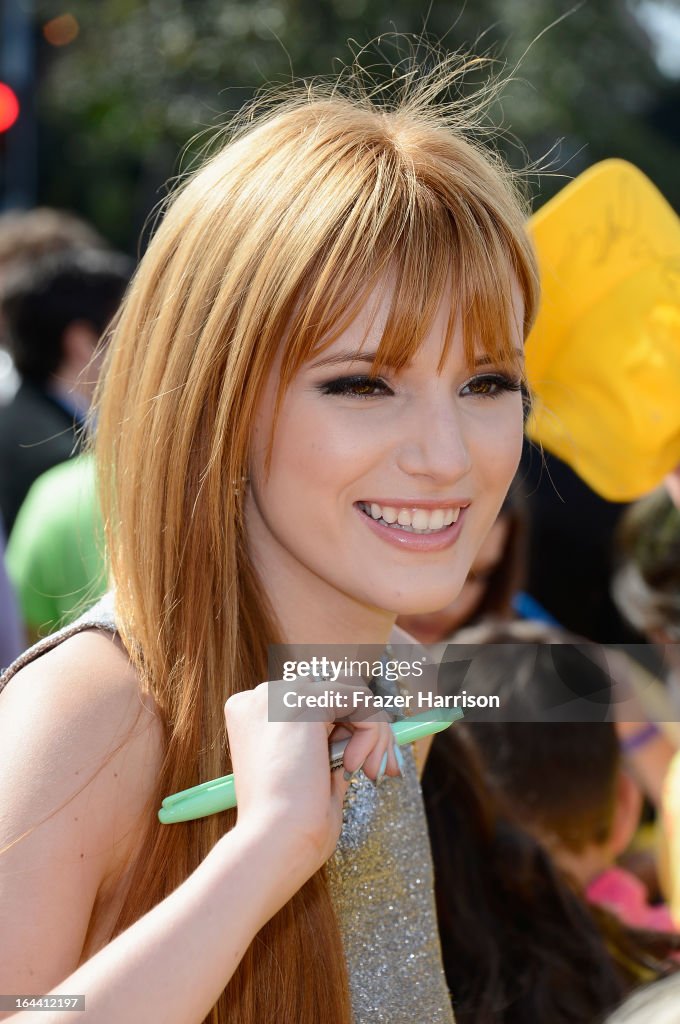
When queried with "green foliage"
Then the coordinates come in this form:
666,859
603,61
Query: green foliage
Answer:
143,77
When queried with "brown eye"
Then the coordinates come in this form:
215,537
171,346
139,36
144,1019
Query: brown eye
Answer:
363,389
356,387
490,386
481,387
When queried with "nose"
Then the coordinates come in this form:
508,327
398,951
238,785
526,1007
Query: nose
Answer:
433,442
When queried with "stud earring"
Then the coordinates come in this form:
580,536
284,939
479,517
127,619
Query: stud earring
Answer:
235,484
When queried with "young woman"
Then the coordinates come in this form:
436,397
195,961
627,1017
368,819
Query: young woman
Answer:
311,415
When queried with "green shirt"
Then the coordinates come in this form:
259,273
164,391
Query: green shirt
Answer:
55,554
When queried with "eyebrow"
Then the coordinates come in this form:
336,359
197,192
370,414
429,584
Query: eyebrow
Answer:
346,357
369,357
488,361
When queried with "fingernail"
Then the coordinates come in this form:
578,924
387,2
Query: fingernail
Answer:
400,759
381,770
348,776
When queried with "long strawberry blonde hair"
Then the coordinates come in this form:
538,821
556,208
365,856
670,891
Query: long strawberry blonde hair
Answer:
273,242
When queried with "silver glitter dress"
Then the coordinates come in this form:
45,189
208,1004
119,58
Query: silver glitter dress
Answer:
380,878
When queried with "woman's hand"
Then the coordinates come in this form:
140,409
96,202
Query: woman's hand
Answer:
284,786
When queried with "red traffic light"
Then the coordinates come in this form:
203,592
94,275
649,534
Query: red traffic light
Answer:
9,107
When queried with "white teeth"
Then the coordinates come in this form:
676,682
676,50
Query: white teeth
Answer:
418,521
436,519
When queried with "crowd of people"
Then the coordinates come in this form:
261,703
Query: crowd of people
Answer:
287,385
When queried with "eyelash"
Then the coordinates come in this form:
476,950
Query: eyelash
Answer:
344,385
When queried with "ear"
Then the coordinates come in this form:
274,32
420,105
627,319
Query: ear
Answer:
627,809
78,344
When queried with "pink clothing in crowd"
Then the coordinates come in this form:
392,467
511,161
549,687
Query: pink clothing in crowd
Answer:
626,896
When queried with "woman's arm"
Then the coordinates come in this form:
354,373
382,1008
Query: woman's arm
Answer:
172,964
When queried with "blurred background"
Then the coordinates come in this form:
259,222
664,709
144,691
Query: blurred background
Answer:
99,97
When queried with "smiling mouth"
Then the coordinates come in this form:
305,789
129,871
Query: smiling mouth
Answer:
421,521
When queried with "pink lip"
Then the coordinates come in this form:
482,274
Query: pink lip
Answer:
416,541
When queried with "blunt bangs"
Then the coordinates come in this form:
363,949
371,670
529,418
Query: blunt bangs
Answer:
428,224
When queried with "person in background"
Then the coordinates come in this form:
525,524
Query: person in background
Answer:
515,806
56,554
28,235
565,781
54,310
48,579
646,587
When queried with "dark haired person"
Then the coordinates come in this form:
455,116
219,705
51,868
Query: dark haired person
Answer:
54,311
564,781
29,235
525,819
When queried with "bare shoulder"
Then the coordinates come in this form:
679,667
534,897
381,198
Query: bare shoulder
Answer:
83,696
80,748
79,713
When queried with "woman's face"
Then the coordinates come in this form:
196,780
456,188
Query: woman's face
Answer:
437,626
434,451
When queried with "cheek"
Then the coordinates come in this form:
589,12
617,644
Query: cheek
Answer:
314,461
318,453
496,446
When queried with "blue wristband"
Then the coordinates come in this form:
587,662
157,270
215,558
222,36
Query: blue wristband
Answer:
640,738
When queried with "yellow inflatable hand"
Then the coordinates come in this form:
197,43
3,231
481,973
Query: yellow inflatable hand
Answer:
603,358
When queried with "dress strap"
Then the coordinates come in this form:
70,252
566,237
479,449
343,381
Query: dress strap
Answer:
100,616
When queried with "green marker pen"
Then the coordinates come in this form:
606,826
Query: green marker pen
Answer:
220,794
